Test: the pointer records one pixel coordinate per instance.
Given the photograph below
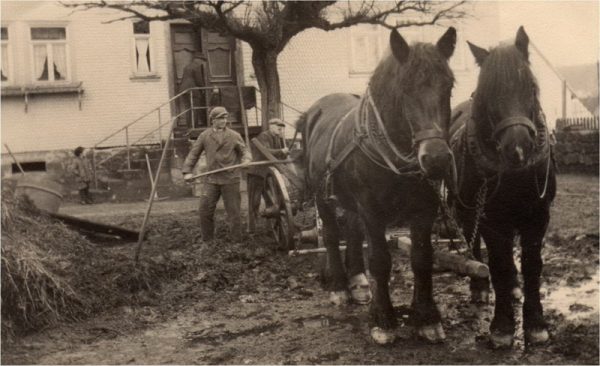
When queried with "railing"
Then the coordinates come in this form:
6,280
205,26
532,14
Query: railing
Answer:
151,127
584,123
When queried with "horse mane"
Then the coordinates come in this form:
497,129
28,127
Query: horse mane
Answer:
504,75
392,81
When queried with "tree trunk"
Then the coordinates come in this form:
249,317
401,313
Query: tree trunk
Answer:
267,75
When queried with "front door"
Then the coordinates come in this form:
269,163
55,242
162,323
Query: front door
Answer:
220,67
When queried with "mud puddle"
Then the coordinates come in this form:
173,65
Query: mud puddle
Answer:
577,302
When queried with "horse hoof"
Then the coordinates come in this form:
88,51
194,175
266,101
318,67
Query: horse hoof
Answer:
501,340
339,298
382,337
480,297
432,333
360,291
517,294
538,336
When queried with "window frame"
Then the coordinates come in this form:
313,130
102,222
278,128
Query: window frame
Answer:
135,73
363,30
49,43
9,72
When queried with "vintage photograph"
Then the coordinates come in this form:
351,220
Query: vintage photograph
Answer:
256,182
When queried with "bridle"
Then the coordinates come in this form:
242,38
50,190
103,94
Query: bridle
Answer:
378,140
511,122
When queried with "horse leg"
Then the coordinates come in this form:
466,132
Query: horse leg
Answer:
426,315
501,263
336,276
358,284
516,292
381,312
534,326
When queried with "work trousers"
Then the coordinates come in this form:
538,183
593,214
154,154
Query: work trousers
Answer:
256,190
84,194
208,203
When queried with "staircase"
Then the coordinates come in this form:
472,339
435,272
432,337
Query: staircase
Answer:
119,158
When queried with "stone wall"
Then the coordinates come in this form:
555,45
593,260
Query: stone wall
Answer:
577,151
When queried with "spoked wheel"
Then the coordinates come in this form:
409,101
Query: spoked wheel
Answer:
278,209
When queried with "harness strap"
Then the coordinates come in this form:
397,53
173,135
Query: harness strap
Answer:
333,163
383,130
429,134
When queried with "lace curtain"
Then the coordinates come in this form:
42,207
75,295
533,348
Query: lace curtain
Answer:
4,62
59,53
141,53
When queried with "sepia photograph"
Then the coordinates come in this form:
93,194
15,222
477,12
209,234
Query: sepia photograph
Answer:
270,182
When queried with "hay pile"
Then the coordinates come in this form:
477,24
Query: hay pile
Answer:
51,273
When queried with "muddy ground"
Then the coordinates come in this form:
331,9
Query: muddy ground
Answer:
251,303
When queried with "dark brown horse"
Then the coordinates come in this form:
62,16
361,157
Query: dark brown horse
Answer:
373,154
506,182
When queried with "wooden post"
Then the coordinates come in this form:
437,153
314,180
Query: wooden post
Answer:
243,115
449,261
152,193
15,159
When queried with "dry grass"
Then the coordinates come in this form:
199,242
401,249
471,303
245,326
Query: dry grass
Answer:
51,273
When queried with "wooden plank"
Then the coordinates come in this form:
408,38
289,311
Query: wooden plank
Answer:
449,261
283,169
96,226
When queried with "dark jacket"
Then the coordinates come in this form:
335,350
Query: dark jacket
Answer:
193,75
273,143
223,148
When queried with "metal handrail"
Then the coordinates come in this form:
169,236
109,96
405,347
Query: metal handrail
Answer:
143,137
141,117
126,128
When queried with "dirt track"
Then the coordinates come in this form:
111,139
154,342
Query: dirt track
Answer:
252,304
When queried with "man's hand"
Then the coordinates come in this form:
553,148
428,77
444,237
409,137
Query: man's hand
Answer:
285,150
188,177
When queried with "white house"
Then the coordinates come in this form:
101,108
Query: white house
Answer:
105,75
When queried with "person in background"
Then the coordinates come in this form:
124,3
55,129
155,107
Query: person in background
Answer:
194,75
83,176
273,140
224,148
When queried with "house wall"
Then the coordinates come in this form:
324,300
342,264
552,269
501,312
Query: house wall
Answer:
101,57
316,63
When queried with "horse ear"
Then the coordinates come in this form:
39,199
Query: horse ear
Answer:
400,48
522,42
479,53
447,42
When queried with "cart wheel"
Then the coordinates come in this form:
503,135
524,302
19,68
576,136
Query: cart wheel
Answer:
279,209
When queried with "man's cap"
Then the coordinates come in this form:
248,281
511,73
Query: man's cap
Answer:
217,112
276,121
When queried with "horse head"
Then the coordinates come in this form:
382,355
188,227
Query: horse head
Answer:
412,89
506,103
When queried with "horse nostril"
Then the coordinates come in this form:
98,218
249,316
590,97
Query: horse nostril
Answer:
436,164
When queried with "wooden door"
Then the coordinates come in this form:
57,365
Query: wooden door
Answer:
222,72
184,41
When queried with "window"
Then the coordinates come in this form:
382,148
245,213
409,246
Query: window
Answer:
5,71
142,60
365,45
50,54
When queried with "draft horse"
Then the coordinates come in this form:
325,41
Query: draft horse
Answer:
505,183
373,154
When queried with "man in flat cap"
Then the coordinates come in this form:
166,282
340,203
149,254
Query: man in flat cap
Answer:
224,147
273,140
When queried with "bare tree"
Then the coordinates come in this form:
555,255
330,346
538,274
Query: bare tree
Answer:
268,26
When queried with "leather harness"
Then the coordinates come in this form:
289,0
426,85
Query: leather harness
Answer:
372,138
